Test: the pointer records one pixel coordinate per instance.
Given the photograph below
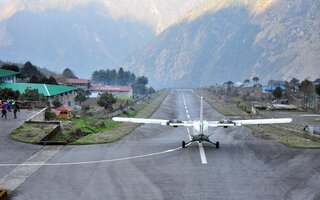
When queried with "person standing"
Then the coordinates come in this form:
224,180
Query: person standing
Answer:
8,105
15,112
18,106
4,113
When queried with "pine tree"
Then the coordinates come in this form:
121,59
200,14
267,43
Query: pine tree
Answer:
277,93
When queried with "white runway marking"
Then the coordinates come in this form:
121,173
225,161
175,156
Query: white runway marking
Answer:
201,149
202,153
23,171
92,162
190,138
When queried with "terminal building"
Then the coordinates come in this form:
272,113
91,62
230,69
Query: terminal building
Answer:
65,94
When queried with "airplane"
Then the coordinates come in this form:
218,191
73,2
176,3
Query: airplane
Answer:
200,127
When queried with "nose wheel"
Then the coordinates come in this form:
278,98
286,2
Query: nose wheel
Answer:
183,144
217,145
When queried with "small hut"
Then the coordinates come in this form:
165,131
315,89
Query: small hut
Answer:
65,112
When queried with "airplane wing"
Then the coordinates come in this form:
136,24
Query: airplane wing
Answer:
174,123
227,123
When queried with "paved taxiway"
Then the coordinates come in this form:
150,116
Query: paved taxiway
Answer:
245,167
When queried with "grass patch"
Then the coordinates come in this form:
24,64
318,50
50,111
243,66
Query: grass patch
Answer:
31,133
125,98
287,137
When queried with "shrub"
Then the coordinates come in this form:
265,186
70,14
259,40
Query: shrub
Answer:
49,115
239,101
245,107
85,107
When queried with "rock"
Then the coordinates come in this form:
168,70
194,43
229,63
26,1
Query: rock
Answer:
101,125
77,133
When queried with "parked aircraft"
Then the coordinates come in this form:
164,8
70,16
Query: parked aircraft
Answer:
200,127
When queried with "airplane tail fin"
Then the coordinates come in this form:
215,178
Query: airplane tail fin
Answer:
201,113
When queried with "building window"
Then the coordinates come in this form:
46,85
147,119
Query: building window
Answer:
66,93
61,95
70,92
69,103
52,97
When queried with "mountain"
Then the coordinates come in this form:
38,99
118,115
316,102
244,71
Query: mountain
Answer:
83,35
234,40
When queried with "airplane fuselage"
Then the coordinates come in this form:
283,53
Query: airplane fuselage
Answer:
200,129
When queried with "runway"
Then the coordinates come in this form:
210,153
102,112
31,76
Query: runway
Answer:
150,164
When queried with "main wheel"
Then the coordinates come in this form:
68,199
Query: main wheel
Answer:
183,144
217,145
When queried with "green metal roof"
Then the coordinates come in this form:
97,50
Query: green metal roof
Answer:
4,73
45,89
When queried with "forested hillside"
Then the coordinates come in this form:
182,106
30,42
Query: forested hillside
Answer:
235,40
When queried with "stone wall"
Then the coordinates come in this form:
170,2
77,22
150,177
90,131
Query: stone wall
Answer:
39,117
34,104
52,134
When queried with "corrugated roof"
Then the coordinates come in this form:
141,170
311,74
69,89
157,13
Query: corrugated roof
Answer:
45,89
110,88
272,88
74,80
4,73
63,107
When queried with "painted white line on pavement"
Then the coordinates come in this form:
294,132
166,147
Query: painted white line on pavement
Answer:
202,153
23,171
201,149
36,114
187,111
188,116
189,134
91,162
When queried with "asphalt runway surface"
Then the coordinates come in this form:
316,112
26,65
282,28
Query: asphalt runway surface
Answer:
12,151
246,166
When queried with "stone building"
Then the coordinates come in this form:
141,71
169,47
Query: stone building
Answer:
65,94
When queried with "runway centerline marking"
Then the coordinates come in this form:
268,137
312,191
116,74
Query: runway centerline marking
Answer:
202,153
201,149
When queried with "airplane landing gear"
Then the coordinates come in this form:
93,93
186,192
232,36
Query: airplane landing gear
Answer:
217,145
183,144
